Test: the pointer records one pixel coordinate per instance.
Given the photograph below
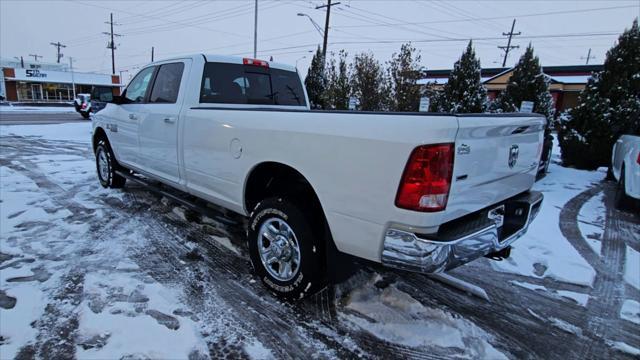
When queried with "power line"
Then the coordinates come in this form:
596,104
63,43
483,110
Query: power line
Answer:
498,17
35,56
509,46
58,45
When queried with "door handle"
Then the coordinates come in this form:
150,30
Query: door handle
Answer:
133,116
169,120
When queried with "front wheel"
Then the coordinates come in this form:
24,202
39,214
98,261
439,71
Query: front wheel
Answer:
106,166
285,251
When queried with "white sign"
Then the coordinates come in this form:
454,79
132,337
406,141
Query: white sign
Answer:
526,106
424,104
61,77
353,103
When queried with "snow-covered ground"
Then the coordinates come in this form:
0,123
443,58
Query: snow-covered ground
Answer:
92,273
544,251
43,109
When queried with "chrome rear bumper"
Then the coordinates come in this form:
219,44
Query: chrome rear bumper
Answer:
408,251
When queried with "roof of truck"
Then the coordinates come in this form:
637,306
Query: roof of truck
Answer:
228,59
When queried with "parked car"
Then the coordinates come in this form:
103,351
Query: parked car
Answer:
82,104
625,166
417,191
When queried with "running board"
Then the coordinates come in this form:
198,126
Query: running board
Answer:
204,210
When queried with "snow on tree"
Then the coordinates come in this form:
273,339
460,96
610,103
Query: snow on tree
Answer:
368,83
316,81
403,73
464,92
608,107
527,83
339,87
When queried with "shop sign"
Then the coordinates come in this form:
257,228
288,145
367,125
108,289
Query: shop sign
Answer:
35,73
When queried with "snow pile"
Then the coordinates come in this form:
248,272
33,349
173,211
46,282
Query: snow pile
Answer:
42,109
632,268
630,311
393,315
121,318
543,251
591,220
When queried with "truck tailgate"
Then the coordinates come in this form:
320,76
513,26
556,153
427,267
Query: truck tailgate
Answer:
496,157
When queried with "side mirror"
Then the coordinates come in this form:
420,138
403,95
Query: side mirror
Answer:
117,99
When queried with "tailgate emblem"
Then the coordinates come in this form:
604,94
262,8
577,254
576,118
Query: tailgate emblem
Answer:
464,149
513,155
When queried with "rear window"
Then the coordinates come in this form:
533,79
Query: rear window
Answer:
224,83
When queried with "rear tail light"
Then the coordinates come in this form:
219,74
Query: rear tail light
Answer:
255,62
426,180
638,159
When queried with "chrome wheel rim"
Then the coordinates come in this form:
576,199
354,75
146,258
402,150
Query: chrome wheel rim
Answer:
103,165
279,249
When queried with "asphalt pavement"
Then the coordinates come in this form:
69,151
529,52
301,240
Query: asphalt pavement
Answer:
38,117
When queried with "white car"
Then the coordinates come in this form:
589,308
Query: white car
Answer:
417,191
625,165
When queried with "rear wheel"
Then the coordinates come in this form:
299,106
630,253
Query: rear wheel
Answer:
85,114
623,201
106,166
286,249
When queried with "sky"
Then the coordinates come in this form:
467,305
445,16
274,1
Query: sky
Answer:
560,31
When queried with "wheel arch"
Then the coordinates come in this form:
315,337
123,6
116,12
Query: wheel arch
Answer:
98,134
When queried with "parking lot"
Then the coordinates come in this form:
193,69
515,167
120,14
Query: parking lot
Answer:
91,273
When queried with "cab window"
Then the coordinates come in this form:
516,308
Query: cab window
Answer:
241,84
167,83
137,88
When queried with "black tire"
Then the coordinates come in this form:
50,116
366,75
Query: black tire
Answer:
107,176
85,114
622,200
310,275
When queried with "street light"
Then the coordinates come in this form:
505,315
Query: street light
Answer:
315,24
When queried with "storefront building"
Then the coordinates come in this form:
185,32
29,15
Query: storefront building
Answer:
565,82
39,84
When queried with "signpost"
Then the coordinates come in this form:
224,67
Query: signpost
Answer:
353,103
526,107
424,104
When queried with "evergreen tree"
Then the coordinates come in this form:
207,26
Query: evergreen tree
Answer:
527,83
403,72
608,107
339,87
464,92
368,83
316,81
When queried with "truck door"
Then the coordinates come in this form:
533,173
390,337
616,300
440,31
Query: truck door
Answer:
158,127
125,133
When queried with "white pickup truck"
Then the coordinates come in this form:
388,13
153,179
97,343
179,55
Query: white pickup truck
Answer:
418,191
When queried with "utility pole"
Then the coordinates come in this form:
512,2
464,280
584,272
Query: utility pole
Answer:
35,56
255,30
112,45
509,46
326,27
58,46
152,54
73,80
588,57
